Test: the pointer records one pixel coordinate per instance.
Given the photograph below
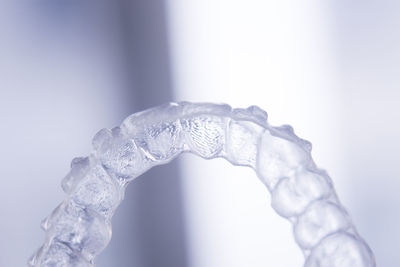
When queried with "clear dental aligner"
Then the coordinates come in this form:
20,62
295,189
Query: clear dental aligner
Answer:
79,228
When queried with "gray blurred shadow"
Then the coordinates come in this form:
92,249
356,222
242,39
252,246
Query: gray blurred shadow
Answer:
148,227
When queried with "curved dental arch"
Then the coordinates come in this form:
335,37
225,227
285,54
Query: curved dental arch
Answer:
80,227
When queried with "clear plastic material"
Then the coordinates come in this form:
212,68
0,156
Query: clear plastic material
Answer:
79,228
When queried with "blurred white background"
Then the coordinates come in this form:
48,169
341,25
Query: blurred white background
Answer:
69,68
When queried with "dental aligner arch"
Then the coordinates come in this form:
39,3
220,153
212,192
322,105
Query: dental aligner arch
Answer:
80,227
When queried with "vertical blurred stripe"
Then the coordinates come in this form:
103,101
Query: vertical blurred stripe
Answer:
148,227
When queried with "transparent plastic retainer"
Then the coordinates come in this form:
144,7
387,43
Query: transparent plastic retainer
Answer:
80,227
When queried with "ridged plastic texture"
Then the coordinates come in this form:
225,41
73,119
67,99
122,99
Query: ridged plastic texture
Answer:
79,228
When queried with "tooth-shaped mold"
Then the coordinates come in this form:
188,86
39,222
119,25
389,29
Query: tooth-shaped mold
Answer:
58,254
341,250
98,192
162,141
79,228
320,219
204,135
79,168
242,143
279,157
292,195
